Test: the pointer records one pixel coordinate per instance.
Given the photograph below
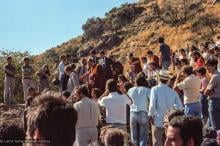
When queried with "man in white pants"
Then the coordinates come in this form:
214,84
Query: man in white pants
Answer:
27,73
88,117
9,82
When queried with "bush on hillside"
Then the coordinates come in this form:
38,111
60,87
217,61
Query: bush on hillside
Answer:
93,28
179,12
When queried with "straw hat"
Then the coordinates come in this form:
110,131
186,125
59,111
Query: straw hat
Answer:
164,74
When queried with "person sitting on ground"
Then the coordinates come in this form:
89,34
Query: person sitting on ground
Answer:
184,131
11,133
51,121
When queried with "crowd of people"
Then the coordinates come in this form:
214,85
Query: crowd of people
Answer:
170,99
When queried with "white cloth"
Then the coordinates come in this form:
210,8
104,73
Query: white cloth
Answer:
145,69
61,69
115,105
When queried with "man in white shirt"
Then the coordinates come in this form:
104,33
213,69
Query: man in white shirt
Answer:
114,105
88,117
61,70
191,89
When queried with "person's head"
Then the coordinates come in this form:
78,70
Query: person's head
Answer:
96,93
68,70
130,56
140,80
127,86
111,136
184,61
201,71
196,55
164,76
93,53
84,61
209,133
143,60
218,37
102,54
11,130
184,131
182,52
111,86
187,70
73,66
81,92
150,53
122,78
45,67
170,114
209,142
211,65
26,60
31,91
91,62
66,94
63,58
160,40
9,59
51,119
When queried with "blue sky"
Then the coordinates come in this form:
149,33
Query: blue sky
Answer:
37,25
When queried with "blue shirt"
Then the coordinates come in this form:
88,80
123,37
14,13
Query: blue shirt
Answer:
162,98
140,97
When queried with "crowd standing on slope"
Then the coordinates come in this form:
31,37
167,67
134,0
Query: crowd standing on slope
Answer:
161,100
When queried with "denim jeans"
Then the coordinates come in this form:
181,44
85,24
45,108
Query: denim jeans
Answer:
204,106
214,113
166,64
193,109
139,128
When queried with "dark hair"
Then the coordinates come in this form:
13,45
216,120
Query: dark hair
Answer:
26,58
127,86
73,66
196,53
83,89
209,142
188,70
202,71
9,57
97,92
93,51
185,61
144,58
161,40
122,77
190,127
68,55
29,89
212,62
102,52
11,130
66,94
111,85
170,114
140,80
62,57
209,133
163,81
55,119
150,52
182,50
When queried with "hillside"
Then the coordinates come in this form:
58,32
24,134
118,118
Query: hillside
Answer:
182,22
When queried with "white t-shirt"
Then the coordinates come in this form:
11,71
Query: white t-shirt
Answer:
115,105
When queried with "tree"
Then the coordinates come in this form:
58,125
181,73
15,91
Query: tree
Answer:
93,27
